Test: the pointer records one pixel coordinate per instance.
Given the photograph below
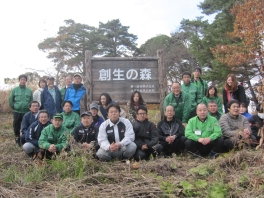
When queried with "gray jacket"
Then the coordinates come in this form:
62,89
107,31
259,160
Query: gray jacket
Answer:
231,125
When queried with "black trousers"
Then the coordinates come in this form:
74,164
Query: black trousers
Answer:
215,146
17,123
145,154
176,147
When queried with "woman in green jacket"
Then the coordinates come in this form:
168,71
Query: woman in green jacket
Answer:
211,94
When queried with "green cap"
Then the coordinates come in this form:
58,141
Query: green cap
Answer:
58,115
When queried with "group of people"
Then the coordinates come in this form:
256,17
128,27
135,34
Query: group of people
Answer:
193,121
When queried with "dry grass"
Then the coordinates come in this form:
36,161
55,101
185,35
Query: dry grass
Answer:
239,174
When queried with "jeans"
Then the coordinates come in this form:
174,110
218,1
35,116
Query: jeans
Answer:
30,148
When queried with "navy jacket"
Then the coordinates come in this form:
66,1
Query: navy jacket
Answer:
34,131
48,103
28,119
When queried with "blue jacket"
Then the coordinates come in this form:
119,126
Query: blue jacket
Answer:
75,96
27,120
97,120
34,131
48,103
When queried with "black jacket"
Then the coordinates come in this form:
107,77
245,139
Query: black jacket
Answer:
239,95
82,134
166,128
255,123
145,133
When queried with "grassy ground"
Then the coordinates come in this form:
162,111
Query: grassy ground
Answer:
239,174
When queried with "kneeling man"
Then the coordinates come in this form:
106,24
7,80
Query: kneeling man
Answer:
235,127
115,136
53,137
203,134
33,133
146,136
86,134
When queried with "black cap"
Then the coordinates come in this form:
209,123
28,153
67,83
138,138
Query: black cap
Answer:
88,113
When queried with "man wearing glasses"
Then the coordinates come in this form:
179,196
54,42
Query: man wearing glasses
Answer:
115,136
146,136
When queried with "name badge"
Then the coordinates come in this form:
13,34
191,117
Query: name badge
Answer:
198,132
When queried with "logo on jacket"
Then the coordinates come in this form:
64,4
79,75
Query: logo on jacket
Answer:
122,130
109,131
147,132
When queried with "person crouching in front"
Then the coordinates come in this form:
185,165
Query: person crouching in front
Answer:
115,136
86,134
53,138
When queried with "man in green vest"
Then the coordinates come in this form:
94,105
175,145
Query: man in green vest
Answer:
19,100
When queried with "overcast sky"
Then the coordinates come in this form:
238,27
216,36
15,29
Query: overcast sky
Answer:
26,23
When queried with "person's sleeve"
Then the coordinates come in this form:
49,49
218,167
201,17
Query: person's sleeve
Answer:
220,105
205,87
204,100
186,109
24,124
42,100
246,124
166,103
11,99
161,136
224,101
189,132
75,134
129,134
102,137
199,96
180,131
217,131
226,130
242,95
122,113
130,113
29,138
62,143
154,136
77,121
43,140
66,97
31,95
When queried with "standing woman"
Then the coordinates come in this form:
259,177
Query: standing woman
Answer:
233,91
132,106
211,94
104,102
37,94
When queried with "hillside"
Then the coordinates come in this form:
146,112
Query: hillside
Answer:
239,174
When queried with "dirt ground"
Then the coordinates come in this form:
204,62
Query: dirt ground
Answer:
236,174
